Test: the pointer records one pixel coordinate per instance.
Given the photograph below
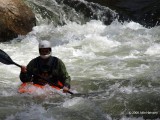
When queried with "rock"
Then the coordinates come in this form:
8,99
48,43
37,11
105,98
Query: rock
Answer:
92,11
145,12
16,18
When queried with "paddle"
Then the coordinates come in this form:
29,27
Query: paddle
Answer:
4,58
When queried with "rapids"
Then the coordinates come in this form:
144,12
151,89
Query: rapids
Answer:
119,63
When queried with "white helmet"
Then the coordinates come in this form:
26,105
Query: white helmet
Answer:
45,44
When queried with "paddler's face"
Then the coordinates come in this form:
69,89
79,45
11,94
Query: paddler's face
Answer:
44,51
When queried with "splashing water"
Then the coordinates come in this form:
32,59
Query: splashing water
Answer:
122,60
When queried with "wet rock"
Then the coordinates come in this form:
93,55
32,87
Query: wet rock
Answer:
145,12
91,10
16,18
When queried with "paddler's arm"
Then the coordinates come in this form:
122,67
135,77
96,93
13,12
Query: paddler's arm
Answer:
64,75
25,76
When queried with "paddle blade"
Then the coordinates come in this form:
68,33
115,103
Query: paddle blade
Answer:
4,58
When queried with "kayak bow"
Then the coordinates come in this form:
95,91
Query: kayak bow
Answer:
30,88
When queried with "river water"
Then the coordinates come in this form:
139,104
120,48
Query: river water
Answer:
116,67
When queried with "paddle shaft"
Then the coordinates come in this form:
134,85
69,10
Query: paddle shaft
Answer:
17,64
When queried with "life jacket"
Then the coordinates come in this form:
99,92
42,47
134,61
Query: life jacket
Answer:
46,71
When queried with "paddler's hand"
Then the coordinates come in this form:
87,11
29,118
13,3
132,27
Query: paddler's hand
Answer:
23,69
65,89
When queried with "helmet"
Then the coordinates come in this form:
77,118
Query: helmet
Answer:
42,46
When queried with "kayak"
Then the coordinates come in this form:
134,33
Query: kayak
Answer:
30,88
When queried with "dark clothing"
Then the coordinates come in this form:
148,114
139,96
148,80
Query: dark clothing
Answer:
52,69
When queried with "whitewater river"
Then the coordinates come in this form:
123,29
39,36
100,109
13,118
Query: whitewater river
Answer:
119,64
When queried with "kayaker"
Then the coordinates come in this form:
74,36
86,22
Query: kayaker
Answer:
46,66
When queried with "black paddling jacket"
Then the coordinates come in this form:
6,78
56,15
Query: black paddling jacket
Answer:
52,69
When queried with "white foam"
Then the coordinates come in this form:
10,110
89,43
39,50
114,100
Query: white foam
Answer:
153,50
72,102
128,90
34,112
133,25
